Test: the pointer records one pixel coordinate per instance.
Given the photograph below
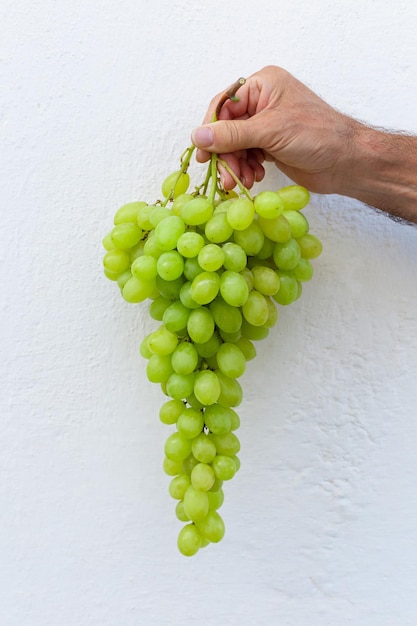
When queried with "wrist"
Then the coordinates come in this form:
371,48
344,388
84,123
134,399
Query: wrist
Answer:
380,169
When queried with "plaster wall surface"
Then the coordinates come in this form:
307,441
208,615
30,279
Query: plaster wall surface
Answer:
97,105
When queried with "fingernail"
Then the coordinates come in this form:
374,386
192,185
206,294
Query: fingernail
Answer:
202,137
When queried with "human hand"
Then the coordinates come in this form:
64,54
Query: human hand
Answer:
277,118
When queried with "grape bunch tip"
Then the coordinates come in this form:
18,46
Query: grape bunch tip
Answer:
215,266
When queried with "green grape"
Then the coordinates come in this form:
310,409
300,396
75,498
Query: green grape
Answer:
265,280
193,402
255,333
207,387
175,316
227,318
111,275
196,504
203,448
159,368
210,363
172,468
202,476
248,276
175,184
184,359
288,290
144,348
234,257
211,257
310,246
158,307
303,271
197,211
186,298
272,314
180,513
189,540
123,278
218,484
231,360
224,467
128,212
287,255
226,444
216,499
126,235
151,248
168,231
190,423
247,348
116,261
210,347
200,325
240,213
170,411
298,223
177,447
233,288
277,229
223,205
179,202
212,527
162,341
189,463
205,287
218,419
108,243
235,419
255,310
157,214
217,228
178,486
170,265
295,197
189,244
169,289
192,268
137,250
179,386
268,204
229,337
144,267
230,390
251,239
143,217
137,289
267,249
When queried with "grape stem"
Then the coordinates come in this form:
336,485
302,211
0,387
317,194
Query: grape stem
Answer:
230,94
213,171
185,158
235,178
185,162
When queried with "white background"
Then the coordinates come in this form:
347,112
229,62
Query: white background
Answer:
98,100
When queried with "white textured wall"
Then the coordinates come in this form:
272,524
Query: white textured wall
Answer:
97,104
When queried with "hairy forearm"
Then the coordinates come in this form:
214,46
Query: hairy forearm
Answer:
383,172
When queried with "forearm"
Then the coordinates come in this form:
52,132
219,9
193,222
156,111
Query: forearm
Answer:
382,172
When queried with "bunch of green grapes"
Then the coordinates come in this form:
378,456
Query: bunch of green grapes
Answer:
214,265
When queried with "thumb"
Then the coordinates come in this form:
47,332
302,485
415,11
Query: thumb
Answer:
228,136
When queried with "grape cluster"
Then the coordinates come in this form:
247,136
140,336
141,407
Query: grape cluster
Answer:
214,265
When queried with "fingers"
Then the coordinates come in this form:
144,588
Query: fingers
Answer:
230,136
